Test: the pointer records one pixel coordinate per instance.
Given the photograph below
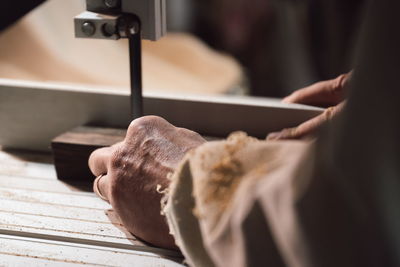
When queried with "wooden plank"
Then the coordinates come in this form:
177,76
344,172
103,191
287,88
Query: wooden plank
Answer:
17,167
72,150
27,164
98,231
35,252
26,156
11,260
70,213
44,185
134,247
58,199
27,169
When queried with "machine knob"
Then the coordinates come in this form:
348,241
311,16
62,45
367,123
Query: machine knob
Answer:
88,28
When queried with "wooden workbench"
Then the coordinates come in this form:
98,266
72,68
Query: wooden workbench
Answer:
44,221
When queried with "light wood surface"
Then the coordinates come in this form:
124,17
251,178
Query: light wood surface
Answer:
46,221
16,251
42,47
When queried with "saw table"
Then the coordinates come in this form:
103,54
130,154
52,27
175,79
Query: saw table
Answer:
44,221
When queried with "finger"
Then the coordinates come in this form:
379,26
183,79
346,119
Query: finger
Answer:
325,94
307,128
101,187
99,160
315,93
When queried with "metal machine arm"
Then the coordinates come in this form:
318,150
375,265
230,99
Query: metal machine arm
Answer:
132,19
107,17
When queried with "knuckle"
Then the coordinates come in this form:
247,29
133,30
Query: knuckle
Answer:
144,124
146,121
295,95
329,113
184,131
117,158
190,134
285,134
148,144
338,84
290,133
197,136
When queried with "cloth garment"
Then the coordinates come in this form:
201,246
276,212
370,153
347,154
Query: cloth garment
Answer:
223,194
332,202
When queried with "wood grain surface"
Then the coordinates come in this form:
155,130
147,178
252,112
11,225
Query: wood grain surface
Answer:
44,221
72,149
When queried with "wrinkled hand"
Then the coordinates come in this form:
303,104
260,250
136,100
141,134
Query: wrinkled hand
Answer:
135,168
329,94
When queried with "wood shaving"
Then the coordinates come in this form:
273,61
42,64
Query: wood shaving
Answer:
225,176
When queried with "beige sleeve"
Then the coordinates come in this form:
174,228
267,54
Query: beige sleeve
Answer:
232,203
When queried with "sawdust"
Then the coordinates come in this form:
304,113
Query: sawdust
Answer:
225,175
224,182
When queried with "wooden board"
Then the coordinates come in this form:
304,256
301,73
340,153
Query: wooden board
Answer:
72,149
33,165
23,251
38,212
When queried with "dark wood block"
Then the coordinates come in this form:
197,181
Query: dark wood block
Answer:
71,150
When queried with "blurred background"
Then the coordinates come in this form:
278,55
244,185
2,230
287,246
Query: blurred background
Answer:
256,47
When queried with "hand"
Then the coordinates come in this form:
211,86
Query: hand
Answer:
329,94
135,168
